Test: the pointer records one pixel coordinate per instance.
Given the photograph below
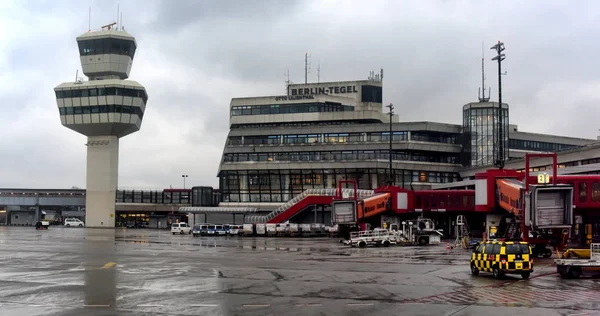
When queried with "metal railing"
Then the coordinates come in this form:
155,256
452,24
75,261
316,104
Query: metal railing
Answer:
310,192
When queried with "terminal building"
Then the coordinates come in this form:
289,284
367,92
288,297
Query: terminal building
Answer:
320,133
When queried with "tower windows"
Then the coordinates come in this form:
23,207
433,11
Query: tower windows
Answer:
106,46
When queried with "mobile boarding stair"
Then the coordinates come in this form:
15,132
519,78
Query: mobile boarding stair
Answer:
303,200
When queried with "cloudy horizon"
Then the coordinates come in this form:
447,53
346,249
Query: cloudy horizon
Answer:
194,56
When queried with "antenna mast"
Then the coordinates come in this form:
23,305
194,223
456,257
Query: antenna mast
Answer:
319,72
117,16
481,92
306,67
90,19
287,82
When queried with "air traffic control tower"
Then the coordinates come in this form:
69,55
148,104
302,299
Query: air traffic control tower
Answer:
104,108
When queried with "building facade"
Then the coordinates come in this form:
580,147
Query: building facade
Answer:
321,133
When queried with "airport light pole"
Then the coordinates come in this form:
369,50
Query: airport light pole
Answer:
500,57
391,114
184,176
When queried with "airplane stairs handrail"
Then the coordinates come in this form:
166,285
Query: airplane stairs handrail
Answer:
307,193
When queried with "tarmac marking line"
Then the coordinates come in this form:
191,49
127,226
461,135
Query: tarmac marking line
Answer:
361,304
96,305
308,305
256,305
109,265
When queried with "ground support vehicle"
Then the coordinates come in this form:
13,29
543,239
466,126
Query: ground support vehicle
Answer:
502,257
376,237
574,262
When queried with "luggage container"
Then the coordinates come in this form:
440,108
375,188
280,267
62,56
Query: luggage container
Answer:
294,229
271,229
261,229
248,229
305,230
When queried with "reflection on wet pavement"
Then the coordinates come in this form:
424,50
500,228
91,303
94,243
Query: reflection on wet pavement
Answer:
138,272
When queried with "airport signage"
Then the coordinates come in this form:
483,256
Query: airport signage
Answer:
325,90
294,97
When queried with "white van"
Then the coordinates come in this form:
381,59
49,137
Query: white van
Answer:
73,222
181,228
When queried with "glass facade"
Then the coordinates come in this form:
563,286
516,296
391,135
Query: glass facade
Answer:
431,137
343,155
479,126
99,92
107,46
289,108
112,108
282,185
539,146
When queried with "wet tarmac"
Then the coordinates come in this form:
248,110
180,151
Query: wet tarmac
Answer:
75,271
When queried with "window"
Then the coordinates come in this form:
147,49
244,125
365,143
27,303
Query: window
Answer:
106,46
288,108
126,109
92,92
596,192
517,249
582,192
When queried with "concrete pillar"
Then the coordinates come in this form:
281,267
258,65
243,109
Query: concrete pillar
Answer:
101,181
286,185
408,135
244,197
373,181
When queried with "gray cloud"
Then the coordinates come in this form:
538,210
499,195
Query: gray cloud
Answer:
194,56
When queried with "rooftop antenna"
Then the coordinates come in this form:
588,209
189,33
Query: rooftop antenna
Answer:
481,90
118,16
90,19
319,72
121,22
381,74
306,67
287,81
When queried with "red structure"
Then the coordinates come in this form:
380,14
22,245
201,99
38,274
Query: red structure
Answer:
497,191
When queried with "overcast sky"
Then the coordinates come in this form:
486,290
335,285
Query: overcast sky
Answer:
194,56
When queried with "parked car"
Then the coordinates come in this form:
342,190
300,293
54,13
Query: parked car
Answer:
181,228
235,230
220,230
200,230
73,222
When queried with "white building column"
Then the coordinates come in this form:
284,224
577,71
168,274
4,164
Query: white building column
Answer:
244,196
373,181
101,181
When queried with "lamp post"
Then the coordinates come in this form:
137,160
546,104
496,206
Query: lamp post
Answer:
184,176
391,114
500,57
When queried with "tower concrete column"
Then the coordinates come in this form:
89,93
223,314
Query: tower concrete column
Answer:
102,180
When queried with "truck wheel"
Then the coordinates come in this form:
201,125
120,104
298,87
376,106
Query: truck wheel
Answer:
386,243
525,275
575,272
422,241
362,244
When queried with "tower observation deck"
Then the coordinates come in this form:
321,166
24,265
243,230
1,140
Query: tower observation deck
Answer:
104,108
